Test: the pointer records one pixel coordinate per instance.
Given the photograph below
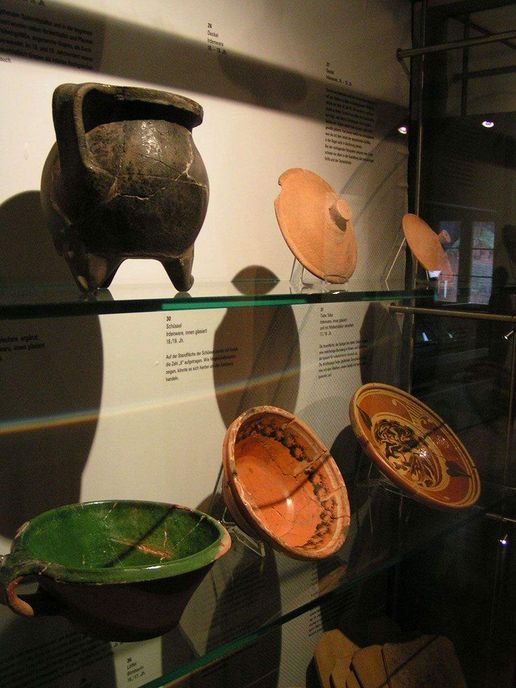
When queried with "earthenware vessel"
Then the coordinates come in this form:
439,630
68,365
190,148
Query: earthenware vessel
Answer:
316,224
282,485
414,447
426,662
124,180
119,570
425,245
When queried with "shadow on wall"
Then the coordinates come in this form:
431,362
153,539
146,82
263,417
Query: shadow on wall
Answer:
135,51
49,640
240,593
51,373
266,369
331,413
29,259
381,357
128,50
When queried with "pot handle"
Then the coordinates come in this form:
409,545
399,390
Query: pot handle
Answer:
14,568
69,127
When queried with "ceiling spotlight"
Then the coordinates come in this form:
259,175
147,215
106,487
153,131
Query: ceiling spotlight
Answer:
403,129
488,123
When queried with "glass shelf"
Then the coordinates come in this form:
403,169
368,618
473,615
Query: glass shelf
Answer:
386,528
59,301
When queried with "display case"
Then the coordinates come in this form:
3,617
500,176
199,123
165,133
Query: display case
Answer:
464,348
127,393
251,593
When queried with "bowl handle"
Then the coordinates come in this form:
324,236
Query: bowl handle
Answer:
14,568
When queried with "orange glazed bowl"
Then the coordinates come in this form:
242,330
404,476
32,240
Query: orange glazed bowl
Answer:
282,485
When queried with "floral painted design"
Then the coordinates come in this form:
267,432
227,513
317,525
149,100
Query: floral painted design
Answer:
414,447
407,452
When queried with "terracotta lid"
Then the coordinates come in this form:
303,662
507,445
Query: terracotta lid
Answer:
282,485
316,224
425,245
414,447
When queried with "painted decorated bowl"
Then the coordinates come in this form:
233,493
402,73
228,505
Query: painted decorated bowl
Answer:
282,486
119,570
414,447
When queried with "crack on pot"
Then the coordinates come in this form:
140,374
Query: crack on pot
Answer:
191,160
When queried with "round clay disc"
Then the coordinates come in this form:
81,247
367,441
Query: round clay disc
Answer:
414,447
425,245
316,224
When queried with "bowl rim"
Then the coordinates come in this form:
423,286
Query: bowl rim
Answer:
21,552
378,458
245,516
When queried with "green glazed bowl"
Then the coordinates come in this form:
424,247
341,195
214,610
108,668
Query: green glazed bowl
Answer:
120,570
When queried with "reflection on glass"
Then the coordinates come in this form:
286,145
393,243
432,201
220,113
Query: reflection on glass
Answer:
449,236
482,262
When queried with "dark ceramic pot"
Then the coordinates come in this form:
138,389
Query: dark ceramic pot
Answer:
119,570
124,180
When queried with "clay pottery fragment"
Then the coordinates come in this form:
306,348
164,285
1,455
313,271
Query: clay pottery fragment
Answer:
118,570
124,180
282,485
414,447
332,656
368,666
316,224
352,681
426,662
425,245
